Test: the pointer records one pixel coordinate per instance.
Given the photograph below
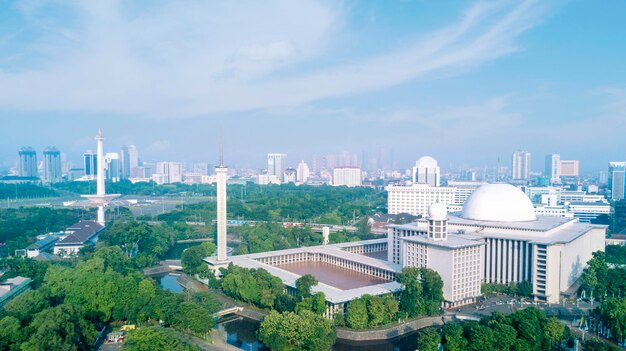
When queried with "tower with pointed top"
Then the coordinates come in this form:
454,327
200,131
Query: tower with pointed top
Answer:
222,177
101,198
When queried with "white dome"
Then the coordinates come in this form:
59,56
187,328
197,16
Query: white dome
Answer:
426,161
438,211
498,203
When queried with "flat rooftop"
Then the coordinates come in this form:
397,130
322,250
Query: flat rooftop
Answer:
335,276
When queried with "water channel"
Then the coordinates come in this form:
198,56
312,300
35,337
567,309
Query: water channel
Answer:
241,332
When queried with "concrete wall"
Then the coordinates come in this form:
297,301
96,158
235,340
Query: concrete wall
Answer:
388,333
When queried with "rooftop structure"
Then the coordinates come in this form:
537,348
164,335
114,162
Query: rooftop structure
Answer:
11,288
79,235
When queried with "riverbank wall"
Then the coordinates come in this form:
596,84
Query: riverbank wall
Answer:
391,332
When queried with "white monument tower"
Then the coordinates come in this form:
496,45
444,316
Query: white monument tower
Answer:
221,259
222,177
101,198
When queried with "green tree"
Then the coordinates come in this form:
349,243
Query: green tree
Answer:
192,258
411,298
504,337
432,290
481,338
63,327
553,331
304,284
153,339
595,276
289,331
428,340
10,332
453,339
26,305
376,310
356,314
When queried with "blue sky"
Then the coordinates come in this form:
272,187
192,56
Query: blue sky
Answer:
463,81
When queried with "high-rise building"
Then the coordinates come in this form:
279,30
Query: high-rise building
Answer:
521,165
302,172
113,166
129,161
202,168
618,220
28,162
416,199
463,189
168,172
568,168
426,171
553,168
276,165
348,176
290,175
51,165
90,162
617,180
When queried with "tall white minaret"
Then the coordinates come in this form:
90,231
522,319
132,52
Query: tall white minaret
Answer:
222,177
101,198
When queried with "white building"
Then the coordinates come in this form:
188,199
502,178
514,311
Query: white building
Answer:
548,252
348,176
457,258
416,199
302,172
426,171
290,175
553,168
521,165
463,189
168,172
78,235
265,179
276,165
588,211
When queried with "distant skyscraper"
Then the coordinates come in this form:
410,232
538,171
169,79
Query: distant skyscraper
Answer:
568,168
201,168
90,161
426,171
553,168
302,172
617,180
129,161
169,172
521,165
348,176
113,166
276,165
290,175
51,165
28,162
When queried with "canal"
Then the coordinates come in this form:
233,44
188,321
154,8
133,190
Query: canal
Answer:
241,332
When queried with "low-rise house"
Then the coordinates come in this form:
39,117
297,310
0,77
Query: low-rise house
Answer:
80,234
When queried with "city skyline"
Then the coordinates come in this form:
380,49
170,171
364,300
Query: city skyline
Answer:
416,94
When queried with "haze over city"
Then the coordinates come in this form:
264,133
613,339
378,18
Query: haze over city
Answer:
466,82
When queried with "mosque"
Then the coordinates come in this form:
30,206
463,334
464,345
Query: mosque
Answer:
497,238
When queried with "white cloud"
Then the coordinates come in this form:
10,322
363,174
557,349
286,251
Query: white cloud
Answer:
195,58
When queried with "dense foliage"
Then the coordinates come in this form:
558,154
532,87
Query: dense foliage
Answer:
19,227
423,291
371,311
146,244
304,330
155,339
524,289
74,302
192,262
25,190
616,254
255,286
609,286
287,202
525,330
125,187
